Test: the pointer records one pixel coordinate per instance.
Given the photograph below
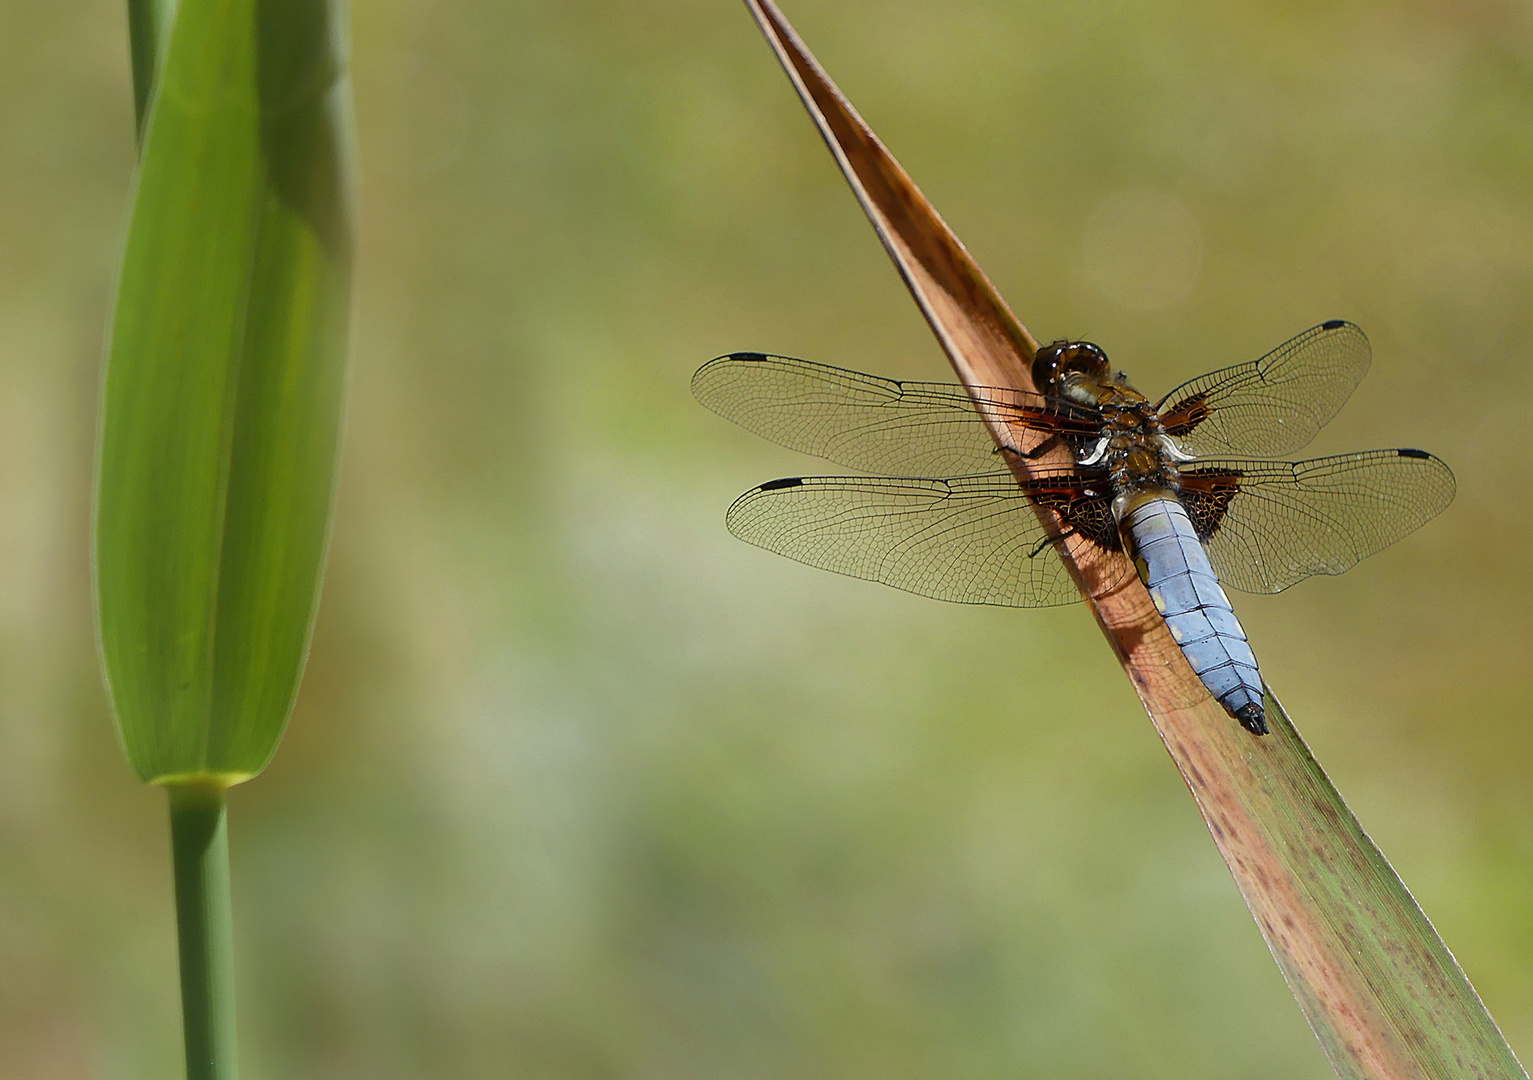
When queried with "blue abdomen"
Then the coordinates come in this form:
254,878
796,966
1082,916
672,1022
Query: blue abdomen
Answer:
1175,568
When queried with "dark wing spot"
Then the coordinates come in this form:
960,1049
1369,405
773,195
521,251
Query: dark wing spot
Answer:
1333,324
748,357
1413,453
785,482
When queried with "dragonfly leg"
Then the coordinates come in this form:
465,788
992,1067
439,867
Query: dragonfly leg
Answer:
1042,448
1030,455
1047,540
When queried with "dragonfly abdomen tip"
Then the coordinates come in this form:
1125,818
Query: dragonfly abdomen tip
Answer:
1253,718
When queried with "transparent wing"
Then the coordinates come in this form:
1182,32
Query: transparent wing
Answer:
865,422
1269,524
972,540
1272,406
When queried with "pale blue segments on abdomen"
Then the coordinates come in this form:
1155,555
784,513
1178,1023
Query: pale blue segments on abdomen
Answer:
1189,597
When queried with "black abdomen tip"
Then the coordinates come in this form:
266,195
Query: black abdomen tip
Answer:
1252,718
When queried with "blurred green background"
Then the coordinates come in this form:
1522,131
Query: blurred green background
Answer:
580,787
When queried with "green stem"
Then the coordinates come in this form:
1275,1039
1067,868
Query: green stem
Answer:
199,839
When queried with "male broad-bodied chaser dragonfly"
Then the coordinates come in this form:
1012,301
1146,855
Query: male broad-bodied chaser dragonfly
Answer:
943,518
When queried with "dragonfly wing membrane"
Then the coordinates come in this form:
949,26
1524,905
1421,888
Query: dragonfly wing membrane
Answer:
972,540
865,422
1272,406
1270,524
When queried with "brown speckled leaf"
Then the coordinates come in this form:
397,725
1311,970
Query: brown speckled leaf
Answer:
1380,989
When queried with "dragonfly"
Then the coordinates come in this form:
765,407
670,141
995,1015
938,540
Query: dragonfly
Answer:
1186,493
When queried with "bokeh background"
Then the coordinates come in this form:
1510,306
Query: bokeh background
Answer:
578,786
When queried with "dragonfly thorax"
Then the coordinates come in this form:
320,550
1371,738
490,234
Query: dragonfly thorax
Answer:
1134,449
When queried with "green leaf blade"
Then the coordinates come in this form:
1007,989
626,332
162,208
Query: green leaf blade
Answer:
223,390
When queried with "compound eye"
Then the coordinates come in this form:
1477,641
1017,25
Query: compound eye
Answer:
1046,365
1062,358
1088,359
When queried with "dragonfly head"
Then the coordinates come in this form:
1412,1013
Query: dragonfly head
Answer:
1055,363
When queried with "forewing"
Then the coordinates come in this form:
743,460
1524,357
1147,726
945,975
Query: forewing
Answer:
1269,524
865,422
972,540
1272,406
